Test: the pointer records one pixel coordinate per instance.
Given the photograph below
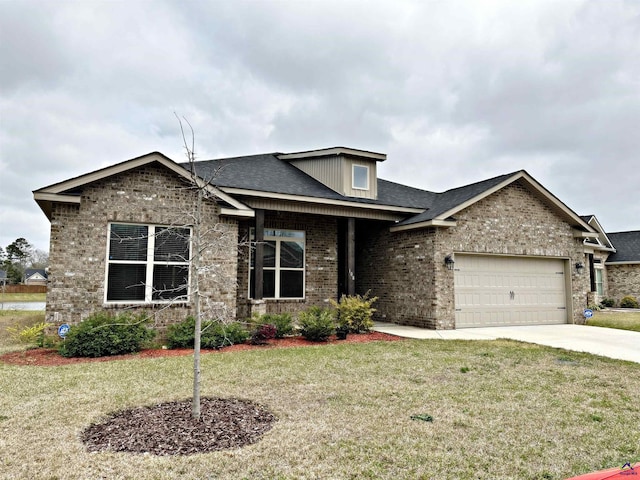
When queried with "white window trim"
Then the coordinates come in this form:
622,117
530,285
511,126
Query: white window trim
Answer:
353,176
278,268
148,294
598,268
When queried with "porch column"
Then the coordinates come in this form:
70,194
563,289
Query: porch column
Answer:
351,256
258,265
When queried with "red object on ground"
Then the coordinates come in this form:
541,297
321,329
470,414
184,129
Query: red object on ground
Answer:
627,472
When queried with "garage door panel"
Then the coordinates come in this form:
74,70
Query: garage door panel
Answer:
495,290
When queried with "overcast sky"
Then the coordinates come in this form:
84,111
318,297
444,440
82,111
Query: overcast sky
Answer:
452,91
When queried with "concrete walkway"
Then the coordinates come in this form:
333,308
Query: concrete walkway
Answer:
608,342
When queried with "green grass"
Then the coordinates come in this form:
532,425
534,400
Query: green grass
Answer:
616,319
517,411
22,297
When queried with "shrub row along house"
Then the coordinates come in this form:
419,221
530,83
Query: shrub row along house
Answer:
281,232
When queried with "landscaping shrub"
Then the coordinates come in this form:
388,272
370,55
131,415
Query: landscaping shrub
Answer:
103,334
629,302
355,312
316,324
607,302
262,334
31,336
283,322
214,334
218,334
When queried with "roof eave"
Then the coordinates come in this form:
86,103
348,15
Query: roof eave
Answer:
425,224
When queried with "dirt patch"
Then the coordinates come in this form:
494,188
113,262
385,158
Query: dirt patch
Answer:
51,358
170,429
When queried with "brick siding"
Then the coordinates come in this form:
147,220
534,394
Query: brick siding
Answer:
147,195
623,280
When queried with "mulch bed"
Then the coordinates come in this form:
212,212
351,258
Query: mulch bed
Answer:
43,357
170,429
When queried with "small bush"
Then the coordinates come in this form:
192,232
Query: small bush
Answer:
262,334
103,334
214,334
607,302
282,321
629,302
316,324
219,335
32,336
355,312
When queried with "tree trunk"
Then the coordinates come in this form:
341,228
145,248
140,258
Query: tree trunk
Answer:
195,295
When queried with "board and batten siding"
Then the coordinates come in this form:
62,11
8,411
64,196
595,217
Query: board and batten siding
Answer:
336,172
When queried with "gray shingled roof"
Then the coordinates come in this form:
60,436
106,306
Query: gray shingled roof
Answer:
627,245
267,173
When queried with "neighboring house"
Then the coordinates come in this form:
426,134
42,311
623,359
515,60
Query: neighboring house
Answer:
623,266
3,277
35,276
294,230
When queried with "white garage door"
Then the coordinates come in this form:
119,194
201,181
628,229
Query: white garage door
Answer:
500,291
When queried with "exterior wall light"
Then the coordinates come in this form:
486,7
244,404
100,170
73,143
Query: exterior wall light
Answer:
449,262
579,267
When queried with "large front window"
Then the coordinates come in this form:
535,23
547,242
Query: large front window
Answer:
283,264
147,263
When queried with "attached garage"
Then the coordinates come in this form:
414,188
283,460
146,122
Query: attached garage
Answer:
492,290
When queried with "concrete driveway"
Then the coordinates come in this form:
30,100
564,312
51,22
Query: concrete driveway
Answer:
608,342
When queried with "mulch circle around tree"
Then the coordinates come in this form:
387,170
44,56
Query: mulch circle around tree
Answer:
43,357
169,428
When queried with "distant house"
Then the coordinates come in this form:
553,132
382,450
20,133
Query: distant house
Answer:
294,230
35,276
3,277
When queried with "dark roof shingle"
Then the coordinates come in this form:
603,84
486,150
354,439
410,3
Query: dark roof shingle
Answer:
627,245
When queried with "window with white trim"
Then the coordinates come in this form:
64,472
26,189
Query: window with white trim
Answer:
147,263
360,176
283,264
598,280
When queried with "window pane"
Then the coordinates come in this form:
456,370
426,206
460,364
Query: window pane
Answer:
291,254
291,284
269,254
360,177
126,282
128,242
172,245
269,283
170,281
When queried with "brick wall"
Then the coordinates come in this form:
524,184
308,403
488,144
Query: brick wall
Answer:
623,280
147,195
321,261
406,269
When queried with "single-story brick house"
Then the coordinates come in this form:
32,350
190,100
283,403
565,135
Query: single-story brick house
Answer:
286,231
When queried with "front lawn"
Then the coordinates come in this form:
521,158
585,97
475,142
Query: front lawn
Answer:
482,410
624,320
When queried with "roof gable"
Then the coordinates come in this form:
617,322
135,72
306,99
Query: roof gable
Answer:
447,204
602,241
68,190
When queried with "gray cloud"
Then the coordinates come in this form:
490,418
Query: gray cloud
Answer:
453,92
